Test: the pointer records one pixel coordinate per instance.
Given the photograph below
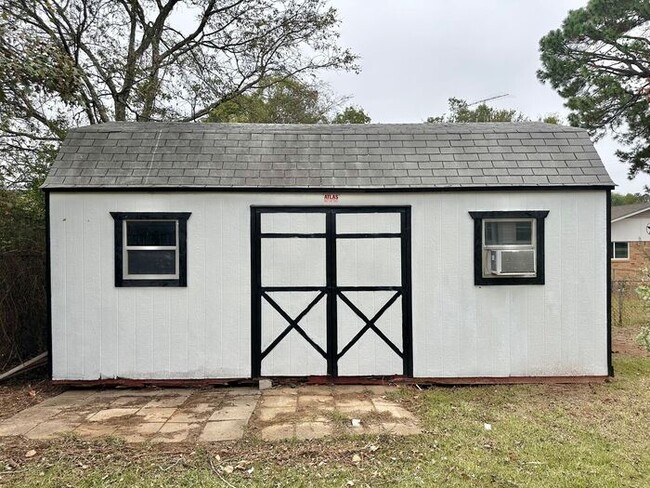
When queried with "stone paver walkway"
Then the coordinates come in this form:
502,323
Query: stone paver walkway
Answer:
157,415
311,412
212,415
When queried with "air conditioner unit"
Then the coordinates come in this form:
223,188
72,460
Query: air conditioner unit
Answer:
511,262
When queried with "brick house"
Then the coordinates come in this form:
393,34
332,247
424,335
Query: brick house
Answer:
630,226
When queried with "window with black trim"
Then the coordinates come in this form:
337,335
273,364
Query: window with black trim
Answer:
620,250
150,248
509,247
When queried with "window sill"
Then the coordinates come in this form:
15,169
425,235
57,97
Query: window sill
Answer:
536,280
145,283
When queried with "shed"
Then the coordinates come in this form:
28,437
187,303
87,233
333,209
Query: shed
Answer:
423,252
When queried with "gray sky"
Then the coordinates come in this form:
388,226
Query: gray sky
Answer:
415,54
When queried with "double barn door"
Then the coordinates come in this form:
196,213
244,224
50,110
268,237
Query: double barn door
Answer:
331,291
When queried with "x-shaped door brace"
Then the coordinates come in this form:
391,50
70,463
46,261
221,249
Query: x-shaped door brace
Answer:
370,324
293,324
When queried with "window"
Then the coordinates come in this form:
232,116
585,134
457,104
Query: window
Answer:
620,250
150,249
509,247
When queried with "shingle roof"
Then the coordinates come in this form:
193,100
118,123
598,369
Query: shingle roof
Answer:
326,156
621,211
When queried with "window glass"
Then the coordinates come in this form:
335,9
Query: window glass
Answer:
621,250
151,233
151,262
508,233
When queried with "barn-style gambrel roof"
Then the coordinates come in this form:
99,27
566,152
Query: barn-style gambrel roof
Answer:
379,156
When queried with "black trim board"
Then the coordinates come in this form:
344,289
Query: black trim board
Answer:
539,216
256,298
608,200
182,217
407,294
48,283
332,308
311,189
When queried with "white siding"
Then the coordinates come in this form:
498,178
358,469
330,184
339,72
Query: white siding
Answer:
203,331
631,229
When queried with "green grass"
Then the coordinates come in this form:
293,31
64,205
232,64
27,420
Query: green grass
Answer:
542,435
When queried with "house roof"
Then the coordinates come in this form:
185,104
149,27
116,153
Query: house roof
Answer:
380,156
621,212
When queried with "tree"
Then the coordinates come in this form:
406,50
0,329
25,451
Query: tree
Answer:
64,64
629,198
599,61
352,115
287,101
460,111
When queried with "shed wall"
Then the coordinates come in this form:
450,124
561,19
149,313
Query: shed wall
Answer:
204,331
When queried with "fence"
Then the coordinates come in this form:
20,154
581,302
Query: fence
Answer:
627,308
23,308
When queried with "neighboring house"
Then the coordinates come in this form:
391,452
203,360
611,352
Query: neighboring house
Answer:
630,240
440,252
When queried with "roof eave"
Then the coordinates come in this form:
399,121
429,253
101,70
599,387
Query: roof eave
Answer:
631,214
334,189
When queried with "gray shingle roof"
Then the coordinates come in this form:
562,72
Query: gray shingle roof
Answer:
621,211
326,156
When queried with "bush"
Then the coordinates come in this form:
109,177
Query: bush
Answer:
23,296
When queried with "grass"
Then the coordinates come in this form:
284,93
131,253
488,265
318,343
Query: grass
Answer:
542,435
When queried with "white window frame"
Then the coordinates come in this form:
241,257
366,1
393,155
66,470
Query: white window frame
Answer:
126,248
627,257
509,247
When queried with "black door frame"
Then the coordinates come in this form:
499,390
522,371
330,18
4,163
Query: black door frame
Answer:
331,291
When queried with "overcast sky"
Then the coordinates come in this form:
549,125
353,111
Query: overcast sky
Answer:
415,54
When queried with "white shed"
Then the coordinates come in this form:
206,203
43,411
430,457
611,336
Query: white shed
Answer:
432,252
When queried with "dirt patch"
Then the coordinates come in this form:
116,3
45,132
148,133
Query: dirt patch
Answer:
624,342
21,393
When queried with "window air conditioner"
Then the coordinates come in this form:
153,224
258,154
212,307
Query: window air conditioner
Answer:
511,262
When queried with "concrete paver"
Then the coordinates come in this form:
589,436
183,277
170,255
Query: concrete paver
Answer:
139,432
266,414
280,401
111,413
316,401
313,430
278,432
385,406
11,427
231,413
353,405
155,414
167,401
177,432
97,429
51,429
280,391
225,430
197,413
